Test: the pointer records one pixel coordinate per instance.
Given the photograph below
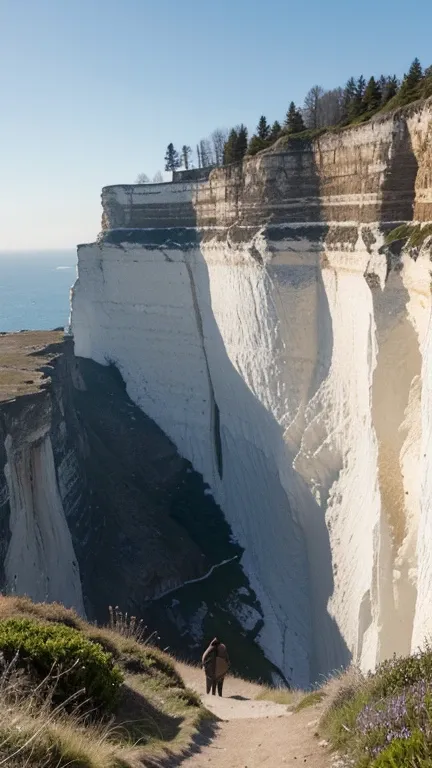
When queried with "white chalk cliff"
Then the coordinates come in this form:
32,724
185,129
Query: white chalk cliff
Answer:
37,554
264,324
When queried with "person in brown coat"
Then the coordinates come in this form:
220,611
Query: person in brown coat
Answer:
215,661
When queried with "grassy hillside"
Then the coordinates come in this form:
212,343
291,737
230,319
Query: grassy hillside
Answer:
73,694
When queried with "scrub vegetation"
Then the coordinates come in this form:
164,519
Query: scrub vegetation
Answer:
95,697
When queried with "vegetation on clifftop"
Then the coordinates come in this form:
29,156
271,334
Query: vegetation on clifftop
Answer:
77,694
356,102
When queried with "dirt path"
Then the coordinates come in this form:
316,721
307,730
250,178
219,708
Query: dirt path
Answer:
253,734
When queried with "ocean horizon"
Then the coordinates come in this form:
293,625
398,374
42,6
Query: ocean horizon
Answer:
35,288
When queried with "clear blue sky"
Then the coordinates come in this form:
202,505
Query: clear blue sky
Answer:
92,91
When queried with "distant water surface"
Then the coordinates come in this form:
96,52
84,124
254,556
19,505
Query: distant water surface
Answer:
34,289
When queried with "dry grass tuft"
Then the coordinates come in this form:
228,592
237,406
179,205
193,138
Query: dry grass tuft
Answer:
289,697
129,626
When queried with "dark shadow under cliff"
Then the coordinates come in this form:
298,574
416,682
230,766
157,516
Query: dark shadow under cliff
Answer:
143,522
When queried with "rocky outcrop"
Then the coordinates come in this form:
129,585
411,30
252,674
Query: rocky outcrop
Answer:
262,321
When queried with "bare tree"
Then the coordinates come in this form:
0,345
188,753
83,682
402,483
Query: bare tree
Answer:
323,108
186,153
158,178
219,138
311,107
206,152
142,178
331,107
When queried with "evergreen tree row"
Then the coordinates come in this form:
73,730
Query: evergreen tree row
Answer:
356,102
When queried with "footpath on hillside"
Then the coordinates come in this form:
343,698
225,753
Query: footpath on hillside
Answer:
252,733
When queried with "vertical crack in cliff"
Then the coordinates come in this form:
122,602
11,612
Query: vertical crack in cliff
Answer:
215,413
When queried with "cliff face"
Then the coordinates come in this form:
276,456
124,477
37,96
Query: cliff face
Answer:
262,322
37,553
98,508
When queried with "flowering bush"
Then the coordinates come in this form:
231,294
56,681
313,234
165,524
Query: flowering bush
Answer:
384,720
396,718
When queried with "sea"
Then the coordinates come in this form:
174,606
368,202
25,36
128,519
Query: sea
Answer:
34,289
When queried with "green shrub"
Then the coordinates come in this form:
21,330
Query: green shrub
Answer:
78,667
413,752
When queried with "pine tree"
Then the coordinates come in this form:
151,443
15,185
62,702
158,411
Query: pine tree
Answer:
382,84
348,99
260,140
241,143
357,106
291,115
275,131
294,120
372,96
263,129
426,86
256,145
186,153
415,74
236,145
409,88
229,148
172,160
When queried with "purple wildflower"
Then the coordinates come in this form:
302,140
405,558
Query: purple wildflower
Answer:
396,717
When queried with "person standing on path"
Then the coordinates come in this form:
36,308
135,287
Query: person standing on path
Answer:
215,661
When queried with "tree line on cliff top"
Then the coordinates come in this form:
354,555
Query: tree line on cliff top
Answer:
355,103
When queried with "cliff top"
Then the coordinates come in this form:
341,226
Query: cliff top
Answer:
22,356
